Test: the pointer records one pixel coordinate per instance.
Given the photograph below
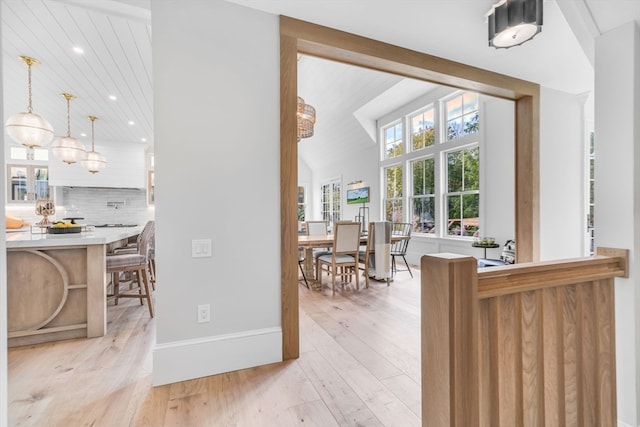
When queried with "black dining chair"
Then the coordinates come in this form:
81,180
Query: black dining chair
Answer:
399,248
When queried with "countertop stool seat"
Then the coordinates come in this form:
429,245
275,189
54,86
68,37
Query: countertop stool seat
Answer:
148,235
137,264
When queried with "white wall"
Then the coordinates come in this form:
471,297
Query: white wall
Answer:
126,168
617,193
216,115
361,167
563,146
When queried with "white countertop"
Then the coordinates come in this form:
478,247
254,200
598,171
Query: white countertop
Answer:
98,236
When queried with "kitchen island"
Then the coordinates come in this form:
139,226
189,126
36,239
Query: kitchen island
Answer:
56,284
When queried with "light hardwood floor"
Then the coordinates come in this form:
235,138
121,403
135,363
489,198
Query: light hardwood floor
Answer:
359,365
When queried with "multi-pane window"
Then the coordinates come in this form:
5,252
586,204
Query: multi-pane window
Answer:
434,154
22,153
393,200
463,192
462,115
330,201
393,141
424,196
423,132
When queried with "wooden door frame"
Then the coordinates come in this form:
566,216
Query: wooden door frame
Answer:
302,37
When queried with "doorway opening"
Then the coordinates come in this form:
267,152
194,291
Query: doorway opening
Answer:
310,39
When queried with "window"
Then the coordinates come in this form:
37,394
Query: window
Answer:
22,153
27,183
422,130
330,197
302,204
423,197
393,194
463,192
434,183
393,146
462,116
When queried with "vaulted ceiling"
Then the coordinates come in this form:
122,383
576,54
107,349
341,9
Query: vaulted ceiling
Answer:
116,38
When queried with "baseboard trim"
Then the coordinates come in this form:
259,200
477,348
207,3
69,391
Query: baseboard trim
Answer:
195,358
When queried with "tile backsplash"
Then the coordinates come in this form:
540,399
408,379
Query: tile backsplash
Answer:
96,205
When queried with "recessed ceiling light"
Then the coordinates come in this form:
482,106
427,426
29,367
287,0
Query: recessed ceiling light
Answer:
78,50
113,97
83,134
143,139
131,122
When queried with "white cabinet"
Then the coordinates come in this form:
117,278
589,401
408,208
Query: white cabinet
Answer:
27,183
125,169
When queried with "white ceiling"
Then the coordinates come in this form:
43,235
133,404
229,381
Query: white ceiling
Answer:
116,37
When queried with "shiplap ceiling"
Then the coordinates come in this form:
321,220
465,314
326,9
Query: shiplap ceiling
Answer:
116,39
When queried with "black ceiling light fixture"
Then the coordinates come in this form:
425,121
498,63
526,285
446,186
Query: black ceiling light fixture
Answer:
513,22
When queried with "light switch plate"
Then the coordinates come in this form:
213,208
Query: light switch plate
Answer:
201,248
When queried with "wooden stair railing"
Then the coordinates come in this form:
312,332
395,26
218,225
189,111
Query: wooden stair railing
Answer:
522,345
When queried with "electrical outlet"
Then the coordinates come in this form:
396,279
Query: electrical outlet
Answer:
204,313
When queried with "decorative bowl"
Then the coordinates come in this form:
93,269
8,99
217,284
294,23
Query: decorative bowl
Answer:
64,230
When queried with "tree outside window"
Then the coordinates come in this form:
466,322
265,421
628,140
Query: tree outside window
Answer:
302,203
393,145
463,192
393,194
462,115
423,197
422,130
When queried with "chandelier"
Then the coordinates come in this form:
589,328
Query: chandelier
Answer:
29,129
513,22
306,115
68,149
94,162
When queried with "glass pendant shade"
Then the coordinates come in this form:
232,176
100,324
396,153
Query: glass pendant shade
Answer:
29,129
68,149
94,162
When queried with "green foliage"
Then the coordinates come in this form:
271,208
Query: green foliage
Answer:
425,138
423,176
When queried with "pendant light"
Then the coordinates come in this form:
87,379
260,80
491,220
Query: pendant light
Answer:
29,129
68,149
94,162
306,116
513,22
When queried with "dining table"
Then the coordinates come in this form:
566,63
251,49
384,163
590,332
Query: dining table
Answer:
310,242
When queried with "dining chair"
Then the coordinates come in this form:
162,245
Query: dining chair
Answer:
399,248
343,260
136,263
301,258
318,228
